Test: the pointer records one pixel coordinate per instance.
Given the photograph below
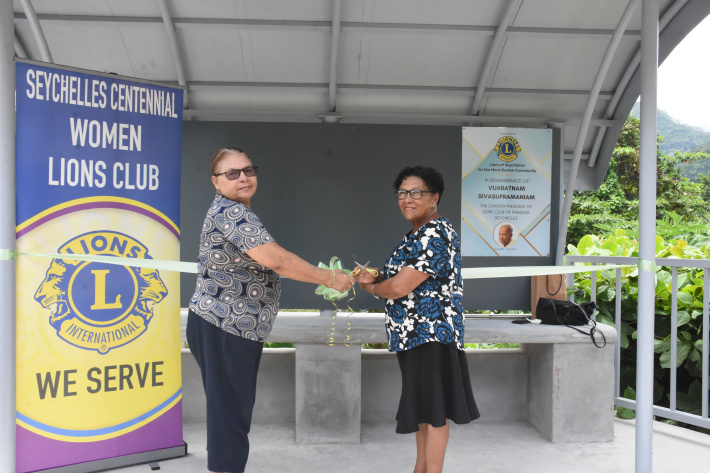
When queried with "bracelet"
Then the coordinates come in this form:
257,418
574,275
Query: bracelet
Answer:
372,291
332,283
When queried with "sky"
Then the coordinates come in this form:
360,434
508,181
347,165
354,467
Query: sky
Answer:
684,79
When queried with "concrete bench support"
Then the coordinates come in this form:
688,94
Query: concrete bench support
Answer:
571,391
558,381
328,393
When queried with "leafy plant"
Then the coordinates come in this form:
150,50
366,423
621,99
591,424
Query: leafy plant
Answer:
671,242
279,345
490,346
374,346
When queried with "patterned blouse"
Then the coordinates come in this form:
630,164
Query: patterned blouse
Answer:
233,291
433,311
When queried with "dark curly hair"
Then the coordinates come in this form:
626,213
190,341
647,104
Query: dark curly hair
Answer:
431,177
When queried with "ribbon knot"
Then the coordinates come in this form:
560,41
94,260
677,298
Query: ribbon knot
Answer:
7,254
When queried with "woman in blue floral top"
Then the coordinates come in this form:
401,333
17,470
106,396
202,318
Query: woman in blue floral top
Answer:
424,319
235,303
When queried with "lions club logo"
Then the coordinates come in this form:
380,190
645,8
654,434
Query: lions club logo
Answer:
99,306
507,148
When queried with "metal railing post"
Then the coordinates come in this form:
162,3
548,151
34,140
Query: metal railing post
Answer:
671,412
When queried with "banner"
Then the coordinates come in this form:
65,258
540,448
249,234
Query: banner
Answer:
506,191
98,345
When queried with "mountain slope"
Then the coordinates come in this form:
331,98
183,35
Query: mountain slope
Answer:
677,136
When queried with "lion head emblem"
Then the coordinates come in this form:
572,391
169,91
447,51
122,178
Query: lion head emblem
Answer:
50,294
152,291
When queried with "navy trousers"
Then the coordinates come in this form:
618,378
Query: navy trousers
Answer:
229,365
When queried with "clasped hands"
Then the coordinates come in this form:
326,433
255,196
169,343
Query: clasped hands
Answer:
363,275
344,280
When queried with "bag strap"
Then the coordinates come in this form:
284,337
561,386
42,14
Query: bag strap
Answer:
592,331
547,283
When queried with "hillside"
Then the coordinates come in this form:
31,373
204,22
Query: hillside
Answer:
678,136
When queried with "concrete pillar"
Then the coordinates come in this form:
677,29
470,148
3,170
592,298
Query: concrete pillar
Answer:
328,393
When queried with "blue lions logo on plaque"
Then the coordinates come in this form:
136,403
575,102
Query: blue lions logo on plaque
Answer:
100,306
507,148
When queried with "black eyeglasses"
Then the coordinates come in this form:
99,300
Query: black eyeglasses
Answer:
415,194
233,174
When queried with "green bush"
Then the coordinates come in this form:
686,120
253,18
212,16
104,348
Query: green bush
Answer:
671,242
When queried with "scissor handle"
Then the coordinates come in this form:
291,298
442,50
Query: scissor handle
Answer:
372,271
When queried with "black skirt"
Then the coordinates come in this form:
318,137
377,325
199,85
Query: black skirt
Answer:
435,386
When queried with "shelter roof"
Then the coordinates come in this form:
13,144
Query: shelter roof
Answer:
528,63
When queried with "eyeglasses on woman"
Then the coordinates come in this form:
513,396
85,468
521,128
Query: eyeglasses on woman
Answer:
233,174
415,194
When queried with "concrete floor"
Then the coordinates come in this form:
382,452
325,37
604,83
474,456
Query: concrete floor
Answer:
477,447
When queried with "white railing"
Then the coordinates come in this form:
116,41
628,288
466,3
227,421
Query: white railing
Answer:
670,412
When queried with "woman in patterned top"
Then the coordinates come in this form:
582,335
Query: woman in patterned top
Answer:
424,319
234,305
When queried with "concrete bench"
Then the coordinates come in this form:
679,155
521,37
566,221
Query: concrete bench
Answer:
557,380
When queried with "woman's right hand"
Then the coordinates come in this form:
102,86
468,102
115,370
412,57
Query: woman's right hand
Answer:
343,281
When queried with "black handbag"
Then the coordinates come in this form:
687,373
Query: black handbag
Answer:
571,314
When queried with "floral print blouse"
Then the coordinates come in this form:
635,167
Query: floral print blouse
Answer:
433,311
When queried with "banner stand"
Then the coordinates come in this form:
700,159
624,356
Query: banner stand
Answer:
125,460
98,366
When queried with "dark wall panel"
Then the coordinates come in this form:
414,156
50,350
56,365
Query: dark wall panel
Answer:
326,190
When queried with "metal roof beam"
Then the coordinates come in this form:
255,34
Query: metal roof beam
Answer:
37,31
400,118
530,31
626,78
403,89
285,86
543,93
586,119
175,48
494,53
569,155
327,25
334,47
19,50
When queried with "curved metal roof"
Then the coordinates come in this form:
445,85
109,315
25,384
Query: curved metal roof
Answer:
570,64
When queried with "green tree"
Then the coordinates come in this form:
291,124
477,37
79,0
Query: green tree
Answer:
615,204
704,181
703,148
678,137
694,163
626,157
